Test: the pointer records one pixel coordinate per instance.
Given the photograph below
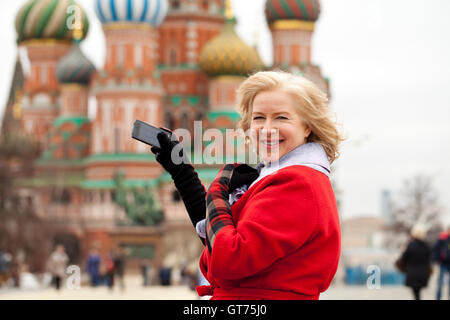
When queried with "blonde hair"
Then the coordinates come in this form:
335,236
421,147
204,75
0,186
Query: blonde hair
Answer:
312,105
419,232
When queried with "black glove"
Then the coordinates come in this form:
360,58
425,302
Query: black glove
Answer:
184,176
243,174
164,154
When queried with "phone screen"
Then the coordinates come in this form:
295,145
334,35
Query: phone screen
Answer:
147,133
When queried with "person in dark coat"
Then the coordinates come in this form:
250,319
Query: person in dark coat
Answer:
441,255
417,259
119,262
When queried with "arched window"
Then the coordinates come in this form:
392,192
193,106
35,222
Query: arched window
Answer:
138,56
168,121
175,4
41,100
61,196
185,121
65,197
120,51
176,196
199,116
173,57
44,75
116,140
205,5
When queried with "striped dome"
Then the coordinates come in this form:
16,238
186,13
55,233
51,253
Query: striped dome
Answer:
227,54
74,67
306,10
48,19
148,11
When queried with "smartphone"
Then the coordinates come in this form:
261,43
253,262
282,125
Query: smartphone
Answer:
147,133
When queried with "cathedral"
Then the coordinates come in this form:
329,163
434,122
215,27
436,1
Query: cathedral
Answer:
168,63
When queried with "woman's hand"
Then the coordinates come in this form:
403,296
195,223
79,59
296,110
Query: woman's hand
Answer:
170,150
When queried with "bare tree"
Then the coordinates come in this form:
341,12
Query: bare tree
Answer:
20,228
417,202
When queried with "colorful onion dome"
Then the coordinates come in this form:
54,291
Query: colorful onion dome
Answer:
74,67
227,54
306,10
152,12
68,139
49,19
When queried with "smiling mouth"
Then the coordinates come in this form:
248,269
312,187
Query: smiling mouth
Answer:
271,143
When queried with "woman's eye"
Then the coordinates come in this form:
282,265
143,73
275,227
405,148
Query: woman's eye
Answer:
258,118
282,118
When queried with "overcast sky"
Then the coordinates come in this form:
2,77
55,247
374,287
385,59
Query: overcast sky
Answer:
389,66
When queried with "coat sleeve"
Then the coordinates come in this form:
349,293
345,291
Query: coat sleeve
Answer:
192,192
436,250
276,221
405,255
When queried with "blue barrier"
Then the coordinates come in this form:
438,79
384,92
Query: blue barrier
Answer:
358,276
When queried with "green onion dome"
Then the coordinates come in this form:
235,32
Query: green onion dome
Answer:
74,67
306,10
49,19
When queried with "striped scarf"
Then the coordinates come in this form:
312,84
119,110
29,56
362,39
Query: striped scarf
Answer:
233,197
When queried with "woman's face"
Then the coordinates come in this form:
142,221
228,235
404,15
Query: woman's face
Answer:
276,125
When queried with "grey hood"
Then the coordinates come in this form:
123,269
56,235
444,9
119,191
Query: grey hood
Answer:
310,154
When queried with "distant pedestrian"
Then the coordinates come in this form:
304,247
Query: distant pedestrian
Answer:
165,275
5,267
189,275
145,272
57,264
110,269
119,263
93,267
441,254
417,261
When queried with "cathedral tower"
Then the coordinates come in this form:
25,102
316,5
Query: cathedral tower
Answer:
127,88
44,28
189,25
227,60
291,24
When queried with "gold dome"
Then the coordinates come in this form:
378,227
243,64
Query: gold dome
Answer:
227,54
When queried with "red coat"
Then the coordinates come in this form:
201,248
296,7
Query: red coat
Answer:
285,242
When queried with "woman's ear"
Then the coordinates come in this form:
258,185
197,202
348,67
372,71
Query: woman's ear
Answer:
307,132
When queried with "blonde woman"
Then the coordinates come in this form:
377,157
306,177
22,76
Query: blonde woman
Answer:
271,232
